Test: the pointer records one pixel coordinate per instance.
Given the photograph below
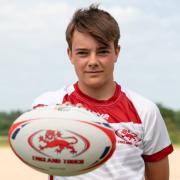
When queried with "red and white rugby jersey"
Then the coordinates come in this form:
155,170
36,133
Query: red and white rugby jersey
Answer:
140,131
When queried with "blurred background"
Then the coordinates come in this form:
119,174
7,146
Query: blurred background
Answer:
33,55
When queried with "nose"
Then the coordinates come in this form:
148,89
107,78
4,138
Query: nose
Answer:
93,61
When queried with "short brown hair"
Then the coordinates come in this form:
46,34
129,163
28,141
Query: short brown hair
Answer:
96,22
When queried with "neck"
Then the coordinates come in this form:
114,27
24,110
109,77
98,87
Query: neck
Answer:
103,92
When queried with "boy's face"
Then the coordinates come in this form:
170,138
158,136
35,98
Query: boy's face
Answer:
93,62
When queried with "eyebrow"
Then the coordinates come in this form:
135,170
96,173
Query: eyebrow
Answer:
104,47
86,49
81,49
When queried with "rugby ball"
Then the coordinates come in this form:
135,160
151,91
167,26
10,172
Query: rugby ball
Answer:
62,140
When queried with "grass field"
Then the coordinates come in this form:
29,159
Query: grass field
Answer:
3,141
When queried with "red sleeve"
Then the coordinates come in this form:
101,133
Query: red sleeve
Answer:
158,155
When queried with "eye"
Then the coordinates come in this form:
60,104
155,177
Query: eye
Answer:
103,52
82,53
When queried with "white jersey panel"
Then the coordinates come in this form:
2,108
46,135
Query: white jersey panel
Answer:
148,137
53,97
156,135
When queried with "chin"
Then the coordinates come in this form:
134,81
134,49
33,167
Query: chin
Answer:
94,83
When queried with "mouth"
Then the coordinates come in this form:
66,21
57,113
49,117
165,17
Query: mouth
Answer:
93,72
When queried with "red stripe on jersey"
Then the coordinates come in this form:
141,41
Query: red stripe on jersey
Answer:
119,108
116,95
159,155
51,178
39,105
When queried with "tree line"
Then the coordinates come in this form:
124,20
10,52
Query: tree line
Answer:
171,117
172,120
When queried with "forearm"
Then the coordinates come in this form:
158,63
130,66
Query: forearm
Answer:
157,170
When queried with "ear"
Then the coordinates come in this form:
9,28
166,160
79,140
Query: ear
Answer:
69,52
117,51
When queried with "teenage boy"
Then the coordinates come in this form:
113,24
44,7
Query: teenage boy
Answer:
92,37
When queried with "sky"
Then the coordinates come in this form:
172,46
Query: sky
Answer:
33,57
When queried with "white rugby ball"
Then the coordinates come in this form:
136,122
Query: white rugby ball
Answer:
62,140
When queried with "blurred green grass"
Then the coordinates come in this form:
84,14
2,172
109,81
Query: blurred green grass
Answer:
4,141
